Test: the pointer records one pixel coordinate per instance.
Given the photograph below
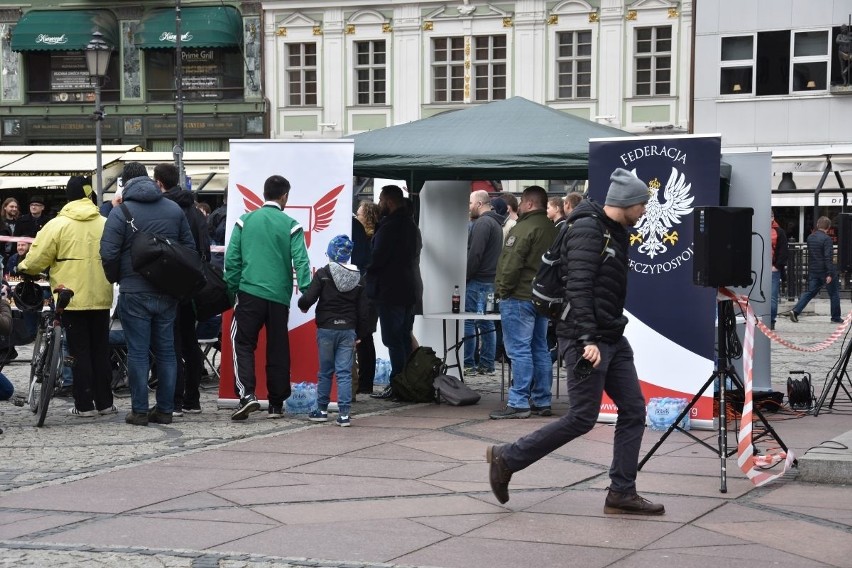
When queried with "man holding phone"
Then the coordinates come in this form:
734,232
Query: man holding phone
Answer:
594,350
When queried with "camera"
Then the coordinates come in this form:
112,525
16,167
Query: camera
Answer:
583,368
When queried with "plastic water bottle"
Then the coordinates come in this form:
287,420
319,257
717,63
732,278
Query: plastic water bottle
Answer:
489,303
456,300
480,303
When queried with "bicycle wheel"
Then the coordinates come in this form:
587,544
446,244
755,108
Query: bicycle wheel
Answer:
36,367
52,372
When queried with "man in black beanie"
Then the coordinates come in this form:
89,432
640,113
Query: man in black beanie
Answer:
593,348
147,314
67,246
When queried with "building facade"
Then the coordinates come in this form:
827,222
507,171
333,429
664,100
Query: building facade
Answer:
768,76
47,97
337,67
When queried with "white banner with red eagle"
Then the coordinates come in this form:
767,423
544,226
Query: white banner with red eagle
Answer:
320,176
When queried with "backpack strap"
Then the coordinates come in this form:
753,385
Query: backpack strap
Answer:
127,216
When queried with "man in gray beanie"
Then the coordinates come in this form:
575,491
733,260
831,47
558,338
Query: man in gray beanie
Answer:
593,348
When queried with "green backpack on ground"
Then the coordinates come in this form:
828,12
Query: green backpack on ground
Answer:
414,383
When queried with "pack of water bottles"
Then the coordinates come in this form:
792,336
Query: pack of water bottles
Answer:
662,412
383,371
303,398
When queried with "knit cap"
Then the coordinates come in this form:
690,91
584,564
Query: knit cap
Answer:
78,188
499,206
626,189
340,249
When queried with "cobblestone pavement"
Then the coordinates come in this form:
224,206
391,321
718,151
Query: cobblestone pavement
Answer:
69,448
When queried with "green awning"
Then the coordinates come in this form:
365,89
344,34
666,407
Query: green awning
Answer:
62,30
210,26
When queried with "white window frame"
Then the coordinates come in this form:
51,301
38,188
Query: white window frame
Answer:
574,59
444,69
738,63
803,59
370,68
654,55
303,69
488,64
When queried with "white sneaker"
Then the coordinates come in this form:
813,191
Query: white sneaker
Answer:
82,413
111,410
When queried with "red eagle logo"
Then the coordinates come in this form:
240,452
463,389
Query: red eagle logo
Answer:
320,213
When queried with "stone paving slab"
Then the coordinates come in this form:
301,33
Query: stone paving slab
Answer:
406,485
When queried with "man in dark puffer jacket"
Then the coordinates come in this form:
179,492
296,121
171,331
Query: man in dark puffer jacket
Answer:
593,331
187,351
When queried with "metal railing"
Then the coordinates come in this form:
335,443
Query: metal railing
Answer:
796,281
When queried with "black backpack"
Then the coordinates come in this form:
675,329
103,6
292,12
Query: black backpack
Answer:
548,286
414,383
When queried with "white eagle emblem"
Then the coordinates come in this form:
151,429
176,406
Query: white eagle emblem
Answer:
654,228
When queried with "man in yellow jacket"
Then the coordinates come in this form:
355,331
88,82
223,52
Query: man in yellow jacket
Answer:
69,246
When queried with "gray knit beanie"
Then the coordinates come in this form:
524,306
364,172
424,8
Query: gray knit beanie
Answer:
626,189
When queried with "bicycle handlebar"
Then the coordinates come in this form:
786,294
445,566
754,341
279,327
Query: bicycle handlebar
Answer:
65,295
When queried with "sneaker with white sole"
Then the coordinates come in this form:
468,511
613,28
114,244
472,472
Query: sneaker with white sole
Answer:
343,421
177,412
318,415
105,411
82,413
248,405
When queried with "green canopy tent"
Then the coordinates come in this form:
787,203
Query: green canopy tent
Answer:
511,139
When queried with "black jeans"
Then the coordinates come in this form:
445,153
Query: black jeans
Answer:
615,375
189,358
250,314
87,336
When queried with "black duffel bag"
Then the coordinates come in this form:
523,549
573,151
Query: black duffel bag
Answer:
171,267
212,299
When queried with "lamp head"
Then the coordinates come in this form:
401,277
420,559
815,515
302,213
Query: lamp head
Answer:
97,55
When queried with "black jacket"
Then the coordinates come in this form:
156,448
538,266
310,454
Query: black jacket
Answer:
820,255
595,270
781,250
391,276
195,218
484,243
27,226
339,289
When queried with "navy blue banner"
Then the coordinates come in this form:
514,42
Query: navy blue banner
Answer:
683,173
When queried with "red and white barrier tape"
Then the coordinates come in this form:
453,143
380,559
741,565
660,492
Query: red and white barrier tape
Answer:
217,248
835,335
16,239
755,467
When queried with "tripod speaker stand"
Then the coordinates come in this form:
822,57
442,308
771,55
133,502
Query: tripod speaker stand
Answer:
837,380
723,371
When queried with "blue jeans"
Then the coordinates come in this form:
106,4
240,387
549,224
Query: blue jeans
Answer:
815,283
478,329
396,322
7,389
776,291
336,355
525,339
616,376
148,322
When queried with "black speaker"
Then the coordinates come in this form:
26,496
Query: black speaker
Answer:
844,242
722,246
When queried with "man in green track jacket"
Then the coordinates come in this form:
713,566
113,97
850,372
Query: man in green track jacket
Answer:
265,246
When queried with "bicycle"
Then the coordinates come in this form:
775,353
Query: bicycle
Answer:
47,360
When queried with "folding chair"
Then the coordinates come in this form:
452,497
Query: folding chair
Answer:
209,334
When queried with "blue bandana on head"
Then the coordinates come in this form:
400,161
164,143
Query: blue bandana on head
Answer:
339,249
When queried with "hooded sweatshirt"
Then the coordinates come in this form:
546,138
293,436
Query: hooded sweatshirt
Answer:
341,297
151,212
69,245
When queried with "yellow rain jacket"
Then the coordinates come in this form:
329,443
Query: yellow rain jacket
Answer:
69,246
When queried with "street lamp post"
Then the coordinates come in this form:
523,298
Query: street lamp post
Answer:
97,60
